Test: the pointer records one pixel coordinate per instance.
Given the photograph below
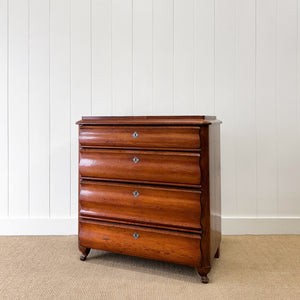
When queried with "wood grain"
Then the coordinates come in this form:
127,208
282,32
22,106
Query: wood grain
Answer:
181,248
147,137
143,204
152,166
124,206
147,120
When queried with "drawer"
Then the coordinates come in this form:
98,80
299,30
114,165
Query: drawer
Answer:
157,206
141,166
149,137
172,246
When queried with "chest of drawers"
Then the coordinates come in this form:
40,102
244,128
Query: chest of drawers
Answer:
150,187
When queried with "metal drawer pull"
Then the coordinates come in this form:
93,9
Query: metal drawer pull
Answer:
135,160
135,134
135,235
135,193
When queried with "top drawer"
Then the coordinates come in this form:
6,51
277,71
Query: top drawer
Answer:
148,137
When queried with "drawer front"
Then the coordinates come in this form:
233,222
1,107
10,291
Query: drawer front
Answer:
143,166
167,207
148,137
172,246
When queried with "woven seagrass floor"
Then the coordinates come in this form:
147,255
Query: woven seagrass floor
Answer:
48,267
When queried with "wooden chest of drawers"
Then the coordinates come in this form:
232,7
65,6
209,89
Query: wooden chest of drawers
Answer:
150,187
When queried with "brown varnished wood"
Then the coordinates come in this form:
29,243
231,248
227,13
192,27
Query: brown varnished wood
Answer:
142,182
148,120
205,265
167,245
211,191
151,205
153,166
203,274
147,137
177,213
81,248
85,251
158,226
215,188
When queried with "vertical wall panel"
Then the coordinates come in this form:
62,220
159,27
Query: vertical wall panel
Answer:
60,108
236,59
142,57
225,43
204,57
122,57
39,107
266,113
3,108
163,56
80,83
101,57
18,108
183,57
298,86
244,108
288,144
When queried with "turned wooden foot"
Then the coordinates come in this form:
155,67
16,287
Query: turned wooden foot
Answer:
217,255
85,252
204,279
203,274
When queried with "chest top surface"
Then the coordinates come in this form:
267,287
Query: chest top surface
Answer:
148,120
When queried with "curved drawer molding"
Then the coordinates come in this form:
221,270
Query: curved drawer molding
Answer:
141,204
147,137
163,167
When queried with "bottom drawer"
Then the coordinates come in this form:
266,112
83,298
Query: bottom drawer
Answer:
166,245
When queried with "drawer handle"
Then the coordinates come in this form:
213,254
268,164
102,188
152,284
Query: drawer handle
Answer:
136,193
135,134
135,235
135,160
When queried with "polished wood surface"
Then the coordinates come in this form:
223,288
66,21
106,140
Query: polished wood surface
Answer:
151,166
167,245
148,120
141,204
211,191
150,187
145,137
85,251
215,189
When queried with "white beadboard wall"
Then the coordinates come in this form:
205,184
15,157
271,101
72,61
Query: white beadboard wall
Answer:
236,59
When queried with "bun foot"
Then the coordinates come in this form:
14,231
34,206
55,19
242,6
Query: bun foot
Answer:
217,255
204,279
85,252
83,257
203,271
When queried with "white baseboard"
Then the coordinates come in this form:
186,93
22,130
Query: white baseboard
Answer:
68,226
268,225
